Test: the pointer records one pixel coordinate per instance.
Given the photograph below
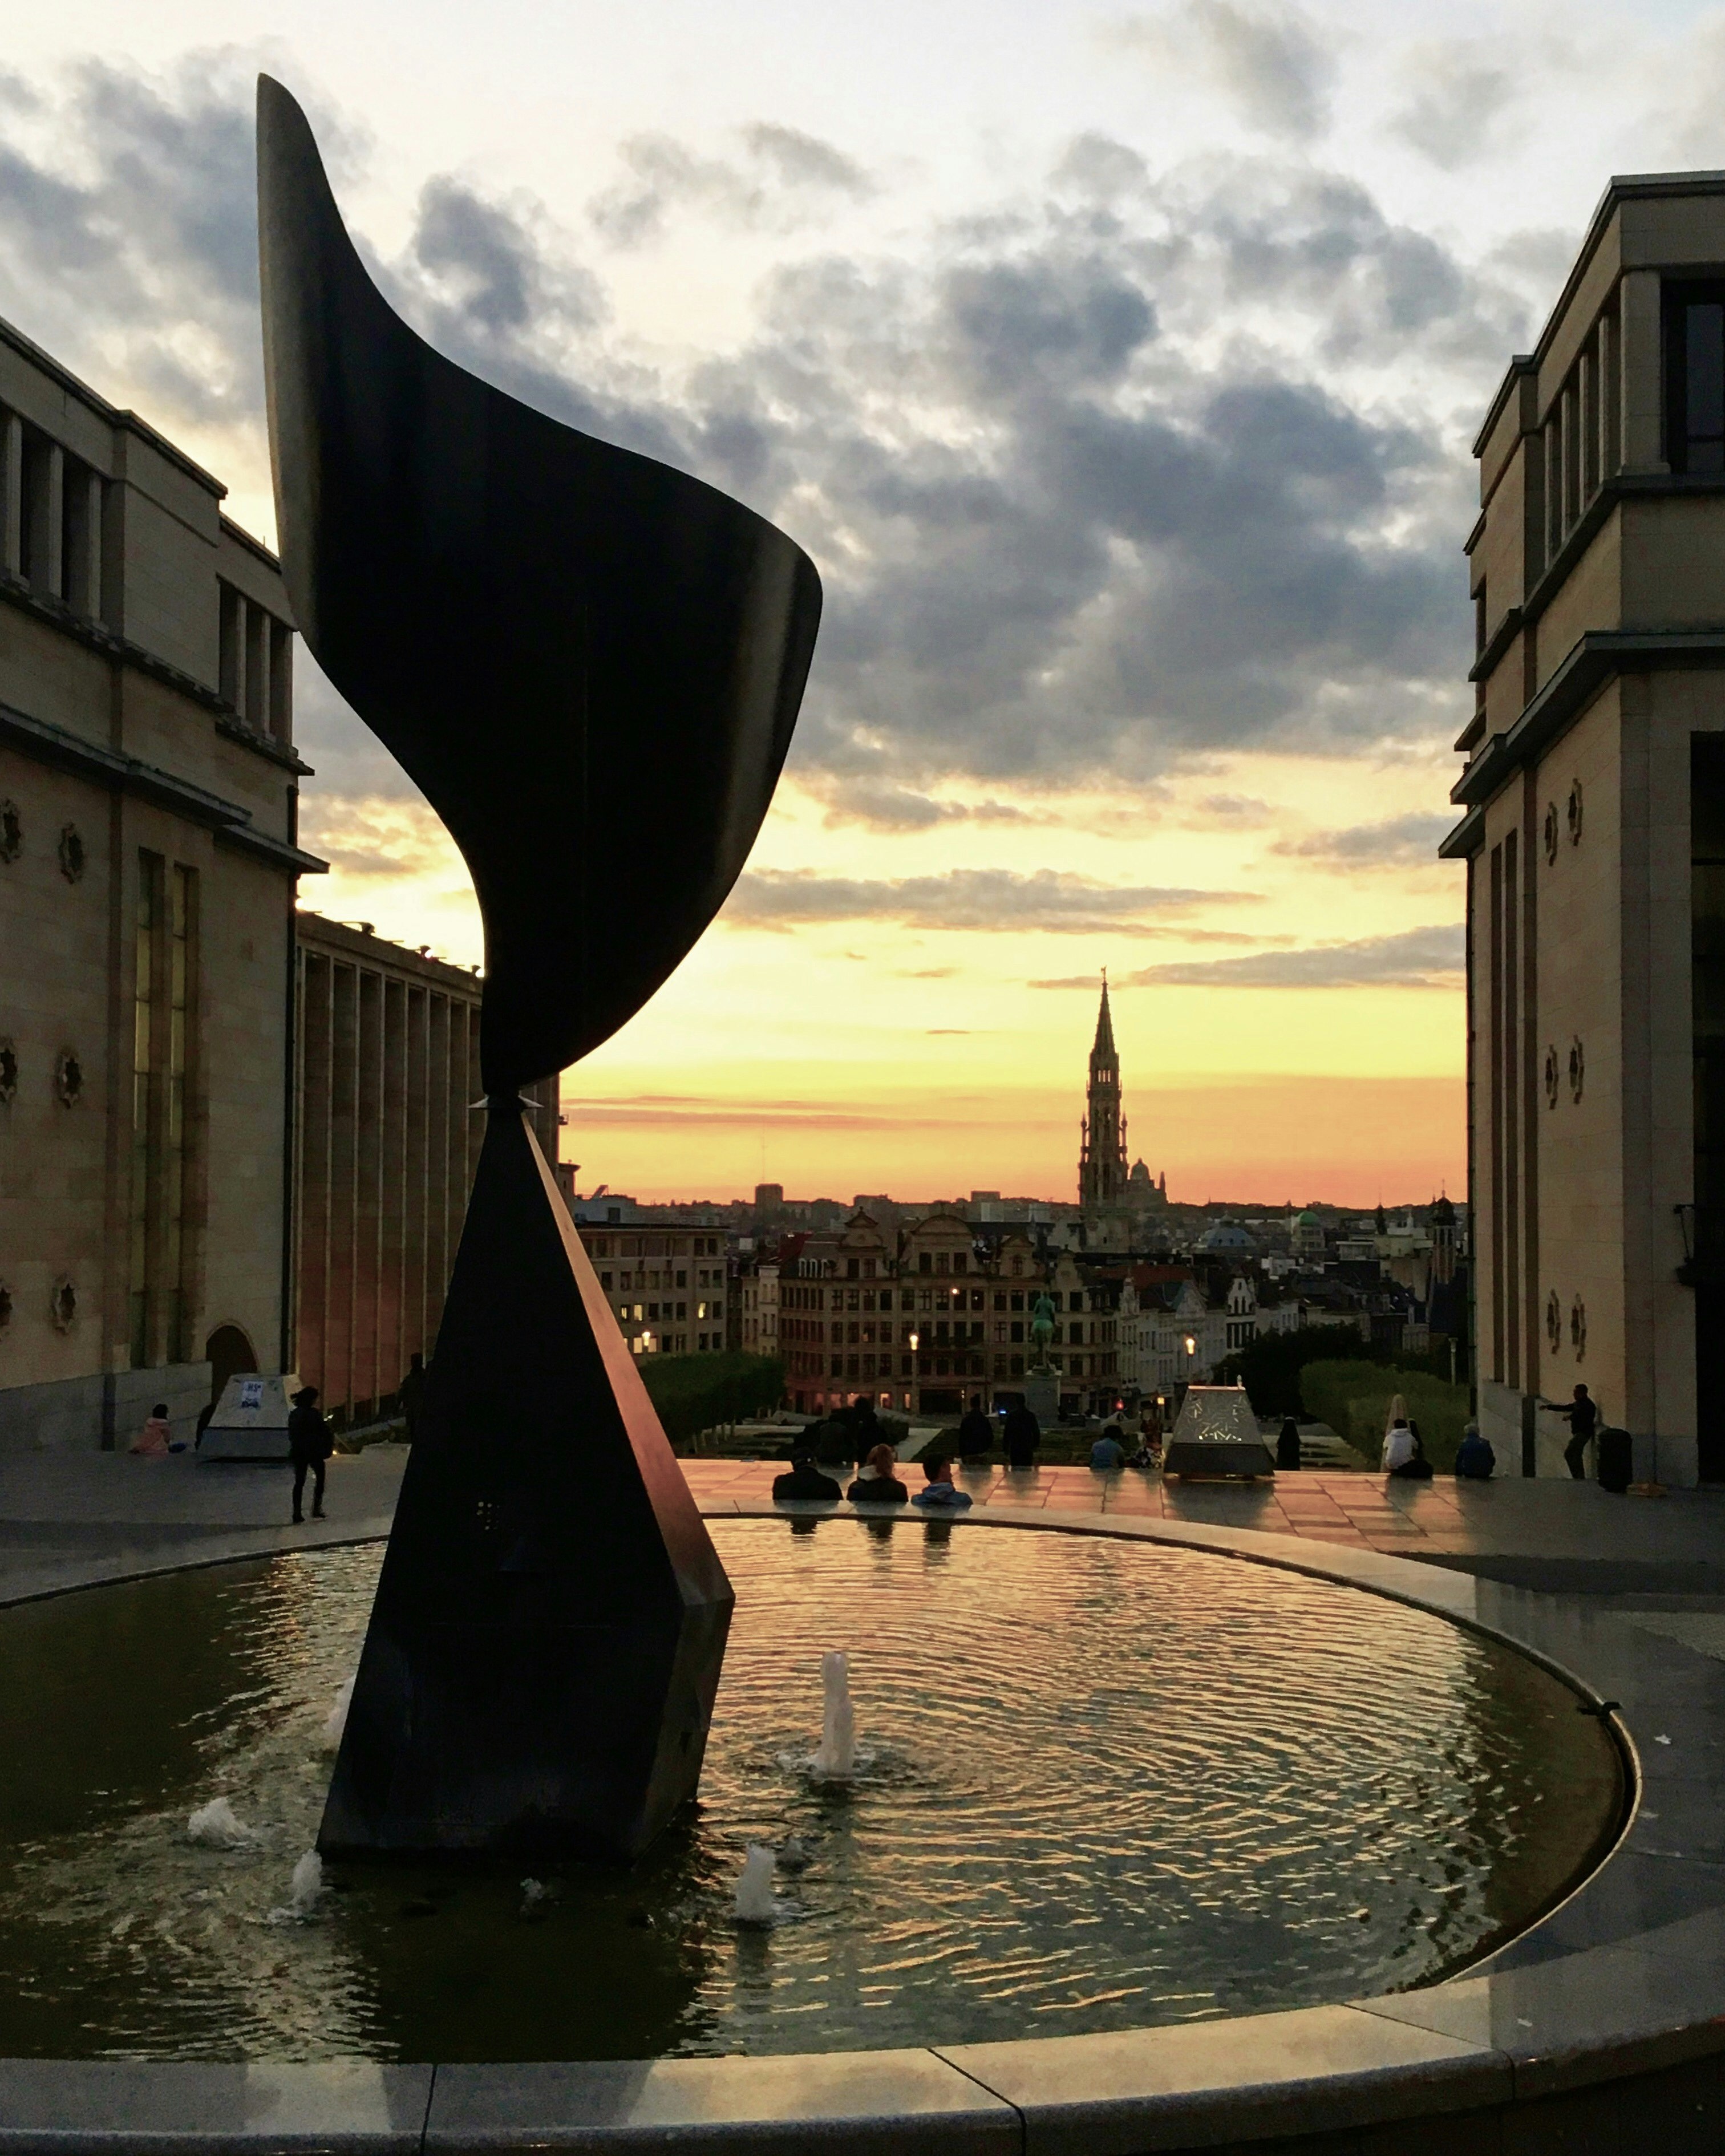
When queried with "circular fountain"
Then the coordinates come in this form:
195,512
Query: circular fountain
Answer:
1049,1785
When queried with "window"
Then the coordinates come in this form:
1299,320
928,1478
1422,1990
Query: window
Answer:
1694,383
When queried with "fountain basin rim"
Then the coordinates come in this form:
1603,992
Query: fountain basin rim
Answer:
1591,1994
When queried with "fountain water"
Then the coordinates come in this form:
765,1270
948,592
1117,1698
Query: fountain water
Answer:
754,1887
217,1825
307,1884
835,1759
335,1726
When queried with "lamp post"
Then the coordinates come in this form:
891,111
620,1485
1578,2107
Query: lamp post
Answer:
916,1375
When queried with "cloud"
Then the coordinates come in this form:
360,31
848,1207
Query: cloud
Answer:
784,178
1461,91
1053,901
1088,493
1269,59
1409,841
1417,958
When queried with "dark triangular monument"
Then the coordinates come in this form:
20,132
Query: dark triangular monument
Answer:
591,664
545,1646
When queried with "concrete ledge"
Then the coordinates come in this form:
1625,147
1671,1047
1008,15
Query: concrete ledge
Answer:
1601,2028
349,2107
863,2103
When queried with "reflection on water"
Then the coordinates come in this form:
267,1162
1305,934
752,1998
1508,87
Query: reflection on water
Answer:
1106,1785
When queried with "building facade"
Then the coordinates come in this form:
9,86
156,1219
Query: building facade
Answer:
667,1286
386,1144
1103,1175
148,863
1594,839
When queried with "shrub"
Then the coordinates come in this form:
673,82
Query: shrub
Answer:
1270,1366
1353,1398
691,1393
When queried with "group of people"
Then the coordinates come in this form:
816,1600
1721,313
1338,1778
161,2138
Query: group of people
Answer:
877,1482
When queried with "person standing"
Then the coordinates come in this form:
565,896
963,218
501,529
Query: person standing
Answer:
1583,1416
975,1440
1022,1433
1287,1446
309,1445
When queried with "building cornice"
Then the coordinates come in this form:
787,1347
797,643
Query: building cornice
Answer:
233,825
96,636
113,415
1592,661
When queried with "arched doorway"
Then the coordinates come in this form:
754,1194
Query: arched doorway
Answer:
229,1354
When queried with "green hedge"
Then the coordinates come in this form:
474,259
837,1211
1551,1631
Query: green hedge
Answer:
1270,1367
1353,1398
693,1392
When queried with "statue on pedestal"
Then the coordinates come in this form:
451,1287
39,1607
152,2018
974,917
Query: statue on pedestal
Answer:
1042,1328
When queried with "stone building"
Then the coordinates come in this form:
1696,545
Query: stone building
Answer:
1595,840
852,1306
148,862
667,1286
388,1142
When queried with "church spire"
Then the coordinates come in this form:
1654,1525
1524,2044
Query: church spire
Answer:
1105,1025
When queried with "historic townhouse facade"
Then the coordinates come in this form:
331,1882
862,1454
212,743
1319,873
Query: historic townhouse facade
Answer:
921,1319
667,1286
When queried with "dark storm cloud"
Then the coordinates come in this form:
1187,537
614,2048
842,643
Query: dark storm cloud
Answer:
1403,842
1077,520
1417,958
1049,899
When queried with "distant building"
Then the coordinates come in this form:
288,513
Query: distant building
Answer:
1593,834
386,1144
148,861
667,1286
1102,1171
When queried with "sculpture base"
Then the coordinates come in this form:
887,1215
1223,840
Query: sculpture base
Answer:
544,1647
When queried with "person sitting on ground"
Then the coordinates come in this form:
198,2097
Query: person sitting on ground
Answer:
943,1494
309,1444
1399,1442
976,1438
805,1479
1287,1446
1474,1459
151,1441
877,1484
1021,1436
1107,1455
1146,1455
1416,1467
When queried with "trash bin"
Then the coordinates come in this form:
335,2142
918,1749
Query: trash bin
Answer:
1616,1461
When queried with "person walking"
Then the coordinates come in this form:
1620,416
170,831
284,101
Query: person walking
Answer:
309,1446
1582,1413
1022,1433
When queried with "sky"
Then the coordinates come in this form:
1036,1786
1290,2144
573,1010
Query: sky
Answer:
1119,368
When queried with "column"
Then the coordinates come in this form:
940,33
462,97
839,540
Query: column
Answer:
1608,397
1642,403
12,493
51,562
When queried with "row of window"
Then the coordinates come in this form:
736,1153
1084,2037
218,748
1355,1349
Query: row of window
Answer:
55,543
654,1246
256,663
651,1313
794,1295
662,1276
926,1368
675,1343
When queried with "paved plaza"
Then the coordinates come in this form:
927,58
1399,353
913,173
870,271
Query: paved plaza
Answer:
69,1516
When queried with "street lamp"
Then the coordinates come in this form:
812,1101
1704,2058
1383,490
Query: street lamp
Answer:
916,1375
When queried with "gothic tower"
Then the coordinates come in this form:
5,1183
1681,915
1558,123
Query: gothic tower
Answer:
1101,1154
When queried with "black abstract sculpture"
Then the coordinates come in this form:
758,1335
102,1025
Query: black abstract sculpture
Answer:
591,665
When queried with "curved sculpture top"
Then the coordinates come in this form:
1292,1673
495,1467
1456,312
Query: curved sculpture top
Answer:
590,664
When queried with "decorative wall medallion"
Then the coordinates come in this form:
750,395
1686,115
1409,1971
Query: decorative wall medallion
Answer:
63,1305
1553,1077
8,1074
1551,832
5,1305
1577,1328
12,831
72,855
1553,1321
1578,1068
1574,812
68,1078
